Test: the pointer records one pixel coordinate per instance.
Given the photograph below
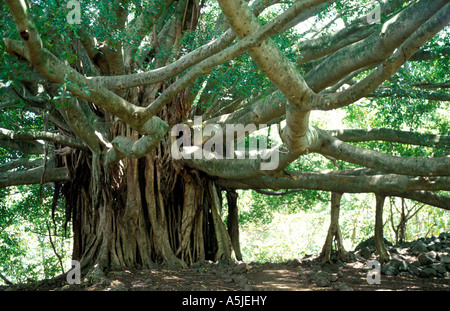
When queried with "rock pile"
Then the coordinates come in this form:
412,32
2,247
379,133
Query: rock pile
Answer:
424,257
326,275
228,270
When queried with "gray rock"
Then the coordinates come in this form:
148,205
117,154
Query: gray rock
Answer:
250,288
365,252
311,275
415,263
393,267
295,262
424,259
427,272
403,266
332,277
226,275
432,247
371,242
444,258
240,268
351,256
418,247
322,281
303,276
413,269
443,236
343,287
439,267
389,270
334,268
432,255
322,274
243,282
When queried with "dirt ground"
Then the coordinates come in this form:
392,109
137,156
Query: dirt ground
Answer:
294,275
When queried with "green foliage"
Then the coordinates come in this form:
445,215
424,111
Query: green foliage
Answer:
25,249
294,235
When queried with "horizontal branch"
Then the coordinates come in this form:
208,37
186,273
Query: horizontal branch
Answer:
275,193
328,44
338,149
377,47
47,136
426,197
169,71
390,135
26,147
388,67
341,181
33,176
178,66
430,85
276,66
389,92
429,54
21,162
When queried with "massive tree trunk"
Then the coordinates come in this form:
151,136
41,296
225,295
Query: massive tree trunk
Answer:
144,212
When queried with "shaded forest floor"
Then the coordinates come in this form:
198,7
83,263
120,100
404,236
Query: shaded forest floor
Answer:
288,276
306,274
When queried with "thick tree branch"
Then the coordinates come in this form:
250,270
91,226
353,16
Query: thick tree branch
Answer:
393,93
311,49
163,73
341,181
169,71
27,31
47,136
33,176
426,197
281,71
21,162
26,147
58,72
404,137
248,41
369,84
429,54
326,45
377,47
335,148
270,59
